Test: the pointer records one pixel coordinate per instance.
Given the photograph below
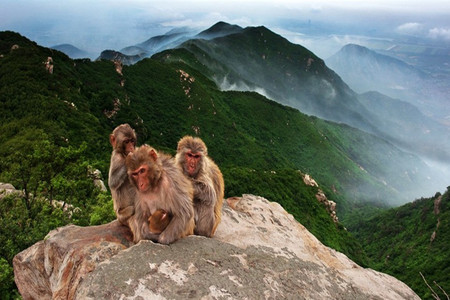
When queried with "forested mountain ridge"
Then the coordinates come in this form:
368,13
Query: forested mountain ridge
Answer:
257,59
410,240
56,115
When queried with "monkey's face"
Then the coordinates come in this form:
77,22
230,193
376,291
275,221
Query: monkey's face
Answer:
192,162
142,178
128,145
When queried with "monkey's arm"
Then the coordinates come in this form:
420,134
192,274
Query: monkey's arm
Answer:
117,175
124,213
152,236
204,192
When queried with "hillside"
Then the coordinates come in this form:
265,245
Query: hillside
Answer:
83,101
405,125
71,51
56,114
256,59
410,239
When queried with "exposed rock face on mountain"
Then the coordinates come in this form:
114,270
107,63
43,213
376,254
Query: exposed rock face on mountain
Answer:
7,189
259,251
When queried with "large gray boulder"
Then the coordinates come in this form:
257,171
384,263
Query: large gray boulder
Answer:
259,252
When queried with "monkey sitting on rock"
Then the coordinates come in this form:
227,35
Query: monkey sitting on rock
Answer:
159,184
207,180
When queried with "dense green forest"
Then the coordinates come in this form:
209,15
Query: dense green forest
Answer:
56,115
410,240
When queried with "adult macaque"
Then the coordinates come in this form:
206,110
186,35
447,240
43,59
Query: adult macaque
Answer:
160,185
123,141
207,180
158,221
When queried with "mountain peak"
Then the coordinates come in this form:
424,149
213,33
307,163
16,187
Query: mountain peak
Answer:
355,49
219,29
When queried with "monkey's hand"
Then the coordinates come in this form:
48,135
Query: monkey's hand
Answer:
199,184
152,236
204,193
165,240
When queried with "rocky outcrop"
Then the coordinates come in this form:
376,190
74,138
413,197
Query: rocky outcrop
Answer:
436,211
330,205
49,65
8,189
259,251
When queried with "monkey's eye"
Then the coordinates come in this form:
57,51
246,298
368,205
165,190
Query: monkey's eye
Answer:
191,155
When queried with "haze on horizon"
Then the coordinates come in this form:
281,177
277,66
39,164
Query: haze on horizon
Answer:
94,26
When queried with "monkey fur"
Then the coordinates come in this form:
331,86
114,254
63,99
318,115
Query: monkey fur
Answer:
192,158
160,184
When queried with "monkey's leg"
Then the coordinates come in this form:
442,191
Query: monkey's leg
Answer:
204,219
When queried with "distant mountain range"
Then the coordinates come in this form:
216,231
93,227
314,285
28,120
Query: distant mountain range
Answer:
256,59
171,39
366,70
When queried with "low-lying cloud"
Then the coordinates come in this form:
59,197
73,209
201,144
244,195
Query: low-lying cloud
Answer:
439,33
412,28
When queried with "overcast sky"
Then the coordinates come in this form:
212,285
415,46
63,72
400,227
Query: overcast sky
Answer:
95,25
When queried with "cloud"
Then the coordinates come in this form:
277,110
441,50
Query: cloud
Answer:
410,29
439,33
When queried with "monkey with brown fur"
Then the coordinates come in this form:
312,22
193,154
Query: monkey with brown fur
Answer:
207,180
160,185
123,141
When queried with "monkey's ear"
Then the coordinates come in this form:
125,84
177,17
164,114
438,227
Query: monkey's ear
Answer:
112,140
152,153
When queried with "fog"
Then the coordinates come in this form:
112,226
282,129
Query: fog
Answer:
321,26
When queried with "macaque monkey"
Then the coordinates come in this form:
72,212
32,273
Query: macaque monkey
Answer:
207,180
123,141
160,184
158,221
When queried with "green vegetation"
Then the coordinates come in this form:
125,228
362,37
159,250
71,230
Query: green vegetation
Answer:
54,130
410,240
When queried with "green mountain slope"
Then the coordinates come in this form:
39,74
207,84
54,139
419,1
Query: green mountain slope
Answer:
404,175
257,58
53,122
82,101
410,240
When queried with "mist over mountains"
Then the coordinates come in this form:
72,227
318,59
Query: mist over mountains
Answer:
365,70
257,59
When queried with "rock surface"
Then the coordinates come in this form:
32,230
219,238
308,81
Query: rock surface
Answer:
259,251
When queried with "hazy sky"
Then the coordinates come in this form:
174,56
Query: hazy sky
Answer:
95,25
